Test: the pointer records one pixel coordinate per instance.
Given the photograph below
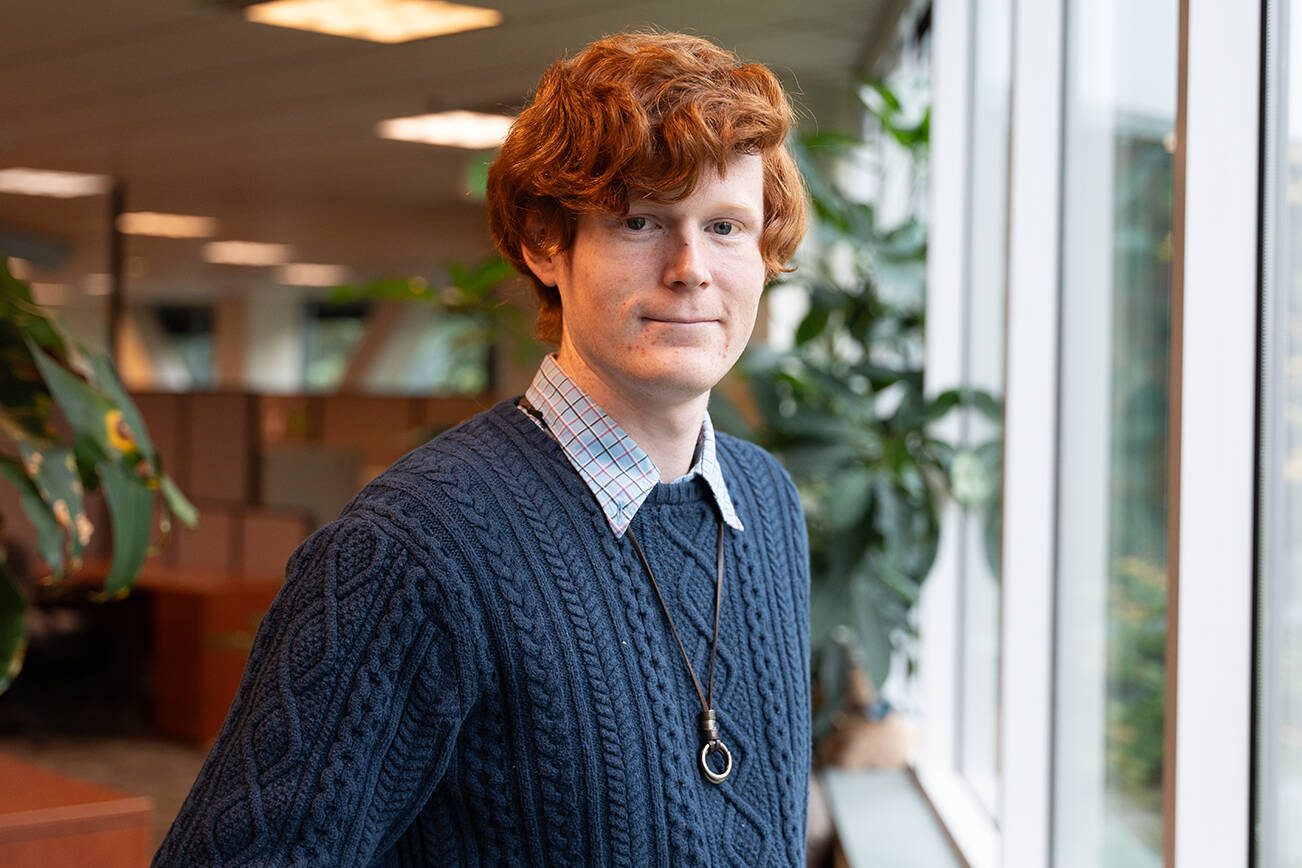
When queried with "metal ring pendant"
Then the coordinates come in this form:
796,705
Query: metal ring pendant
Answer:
716,746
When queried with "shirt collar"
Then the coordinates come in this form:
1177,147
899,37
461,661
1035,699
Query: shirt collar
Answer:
615,468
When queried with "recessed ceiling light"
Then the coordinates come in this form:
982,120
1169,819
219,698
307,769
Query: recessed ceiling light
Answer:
458,129
312,274
46,182
166,225
247,253
387,21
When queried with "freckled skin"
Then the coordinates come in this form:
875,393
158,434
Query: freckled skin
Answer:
658,304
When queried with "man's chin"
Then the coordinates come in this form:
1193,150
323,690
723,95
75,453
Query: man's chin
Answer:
679,378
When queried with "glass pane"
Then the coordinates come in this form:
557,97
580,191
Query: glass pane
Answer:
330,334
185,338
1115,313
415,351
1279,755
984,369
432,353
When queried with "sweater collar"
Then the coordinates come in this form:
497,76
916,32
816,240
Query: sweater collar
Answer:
615,468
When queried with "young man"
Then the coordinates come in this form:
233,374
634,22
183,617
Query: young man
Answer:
573,630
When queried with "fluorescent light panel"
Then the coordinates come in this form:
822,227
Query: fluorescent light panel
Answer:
47,182
247,253
386,21
166,225
458,129
312,274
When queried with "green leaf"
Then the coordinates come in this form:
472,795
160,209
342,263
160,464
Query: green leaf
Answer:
50,537
89,454
816,459
480,279
53,472
177,503
812,325
476,176
878,97
883,376
11,288
812,426
106,378
848,498
827,201
846,550
13,628
898,582
131,508
384,289
873,634
830,141
987,404
86,410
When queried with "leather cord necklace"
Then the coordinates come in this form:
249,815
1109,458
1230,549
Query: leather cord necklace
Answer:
707,720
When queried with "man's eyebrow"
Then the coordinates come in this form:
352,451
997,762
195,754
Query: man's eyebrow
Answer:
724,206
735,206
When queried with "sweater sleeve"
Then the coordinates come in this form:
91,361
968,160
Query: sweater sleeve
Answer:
345,718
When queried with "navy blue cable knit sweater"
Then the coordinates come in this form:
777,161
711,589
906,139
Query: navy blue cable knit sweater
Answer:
469,668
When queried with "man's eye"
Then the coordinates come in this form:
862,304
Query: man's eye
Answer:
722,227
635,223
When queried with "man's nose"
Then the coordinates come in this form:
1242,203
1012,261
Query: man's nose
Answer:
686,267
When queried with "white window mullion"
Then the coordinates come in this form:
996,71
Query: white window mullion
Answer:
1030,439
1216,381
968,823
946,275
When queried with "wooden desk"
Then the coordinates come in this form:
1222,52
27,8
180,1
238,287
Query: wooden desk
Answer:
47,819
202,624
202,632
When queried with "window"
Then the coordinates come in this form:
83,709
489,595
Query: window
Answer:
187,333
983,368
1114,390
393,349
1132,254
331,332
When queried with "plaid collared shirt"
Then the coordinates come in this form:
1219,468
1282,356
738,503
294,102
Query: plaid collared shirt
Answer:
615,468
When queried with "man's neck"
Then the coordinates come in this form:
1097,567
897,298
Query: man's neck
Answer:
667,431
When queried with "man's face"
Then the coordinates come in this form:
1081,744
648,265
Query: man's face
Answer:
660,303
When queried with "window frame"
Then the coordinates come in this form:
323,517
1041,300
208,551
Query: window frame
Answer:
1213,434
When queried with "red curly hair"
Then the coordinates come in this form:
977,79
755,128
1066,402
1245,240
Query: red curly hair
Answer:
638,115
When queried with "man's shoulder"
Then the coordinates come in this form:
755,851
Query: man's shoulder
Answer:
741,453
749,464
421,480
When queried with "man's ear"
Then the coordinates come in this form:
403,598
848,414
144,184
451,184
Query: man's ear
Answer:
543,267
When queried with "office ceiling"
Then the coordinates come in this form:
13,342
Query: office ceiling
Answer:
271,131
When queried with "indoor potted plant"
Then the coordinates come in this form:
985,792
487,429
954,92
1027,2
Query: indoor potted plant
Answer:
846,411
99,443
